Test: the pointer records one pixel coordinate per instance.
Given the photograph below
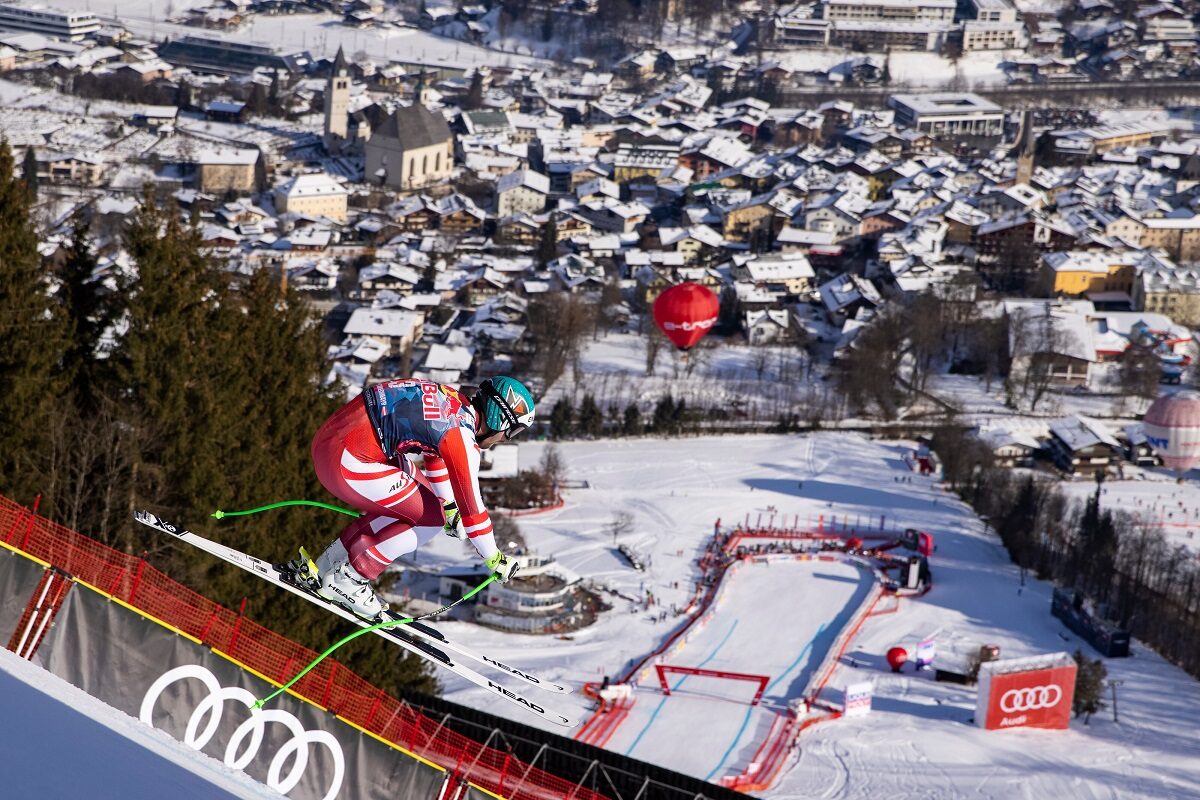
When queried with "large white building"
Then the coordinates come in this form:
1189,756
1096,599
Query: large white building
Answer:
993,10
995,26
993,35
521,191
316,195
948,114
894,10
73,26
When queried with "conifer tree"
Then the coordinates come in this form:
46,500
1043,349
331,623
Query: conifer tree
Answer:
474,98
32,341
29,167
268,370
164,361
1090,677
227,381
89,311
561,416
632,424
664,415
88,457
548,243
591,421
273,95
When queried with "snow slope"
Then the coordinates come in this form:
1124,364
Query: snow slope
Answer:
919,741
749,639
1155,499
60,742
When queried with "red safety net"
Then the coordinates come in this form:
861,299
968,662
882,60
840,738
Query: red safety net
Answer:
330,685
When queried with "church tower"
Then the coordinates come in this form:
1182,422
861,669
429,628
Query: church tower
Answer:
337,104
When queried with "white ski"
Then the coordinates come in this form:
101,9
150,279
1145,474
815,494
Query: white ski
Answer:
426,644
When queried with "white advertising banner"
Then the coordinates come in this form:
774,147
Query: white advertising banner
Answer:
858,699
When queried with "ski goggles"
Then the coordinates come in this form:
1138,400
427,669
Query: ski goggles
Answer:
515,427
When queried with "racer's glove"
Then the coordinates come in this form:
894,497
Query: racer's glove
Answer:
453,517
502,567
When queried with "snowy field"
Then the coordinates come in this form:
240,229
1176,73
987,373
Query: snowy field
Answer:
983,404
320,34
764,380
60,742
919,741
909,68
1157,500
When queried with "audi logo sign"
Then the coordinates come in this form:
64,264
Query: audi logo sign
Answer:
247,738
1033,699
1034,692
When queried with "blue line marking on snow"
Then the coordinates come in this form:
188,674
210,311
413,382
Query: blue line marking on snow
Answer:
749,709
737,737
796,663
663,699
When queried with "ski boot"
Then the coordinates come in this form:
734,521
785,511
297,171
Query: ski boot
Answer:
332,577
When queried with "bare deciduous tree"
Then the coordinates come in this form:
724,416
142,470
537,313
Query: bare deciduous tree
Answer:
1039,347
558,324
552,465
1139,376
654,343
92,469
622,524
869,373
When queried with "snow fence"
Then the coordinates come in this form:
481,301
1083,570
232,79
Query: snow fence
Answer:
134,638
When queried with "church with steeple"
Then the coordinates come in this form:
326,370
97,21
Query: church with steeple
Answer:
409,148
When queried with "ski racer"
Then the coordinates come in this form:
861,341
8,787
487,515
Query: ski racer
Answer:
361,455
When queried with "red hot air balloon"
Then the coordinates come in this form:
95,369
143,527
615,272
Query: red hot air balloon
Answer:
1172,428
685,313
896,658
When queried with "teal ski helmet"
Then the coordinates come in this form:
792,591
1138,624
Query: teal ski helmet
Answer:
507,405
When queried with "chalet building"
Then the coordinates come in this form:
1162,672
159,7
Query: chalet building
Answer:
1083,446
1010,449
1137,447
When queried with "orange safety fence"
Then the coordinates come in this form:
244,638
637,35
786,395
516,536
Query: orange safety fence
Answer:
529,512
771,756
606,719
330,685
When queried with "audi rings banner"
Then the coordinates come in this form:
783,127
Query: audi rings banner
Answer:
1034,692
166,680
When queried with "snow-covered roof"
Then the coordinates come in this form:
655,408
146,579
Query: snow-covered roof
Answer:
846,289
1079,432
1057,326
228,157
524,178
388,322
445,357
779,267
314,185
1002,437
